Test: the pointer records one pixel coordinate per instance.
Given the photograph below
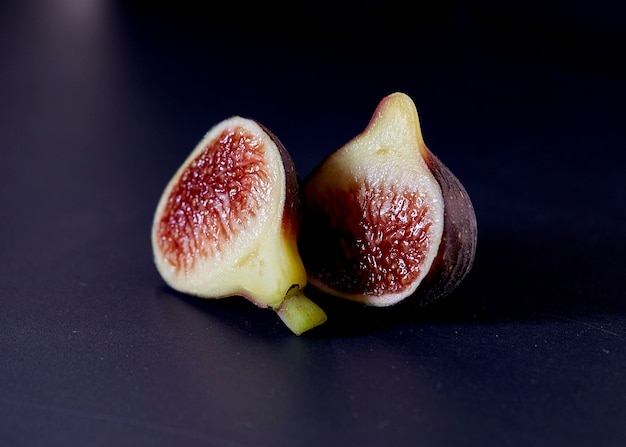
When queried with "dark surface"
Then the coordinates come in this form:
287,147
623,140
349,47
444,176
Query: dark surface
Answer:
101,103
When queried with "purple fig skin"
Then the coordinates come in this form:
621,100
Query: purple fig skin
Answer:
292,213
457,249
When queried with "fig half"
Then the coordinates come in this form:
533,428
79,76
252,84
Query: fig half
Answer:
383,218
227,224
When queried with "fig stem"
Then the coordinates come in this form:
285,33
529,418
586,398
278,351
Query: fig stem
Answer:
299,313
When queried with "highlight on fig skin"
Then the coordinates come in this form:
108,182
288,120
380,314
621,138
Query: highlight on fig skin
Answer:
227,223
383,218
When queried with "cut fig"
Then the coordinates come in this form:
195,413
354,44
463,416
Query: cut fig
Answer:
384,219
227,224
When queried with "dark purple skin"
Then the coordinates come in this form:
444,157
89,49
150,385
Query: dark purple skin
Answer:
292,212
457,249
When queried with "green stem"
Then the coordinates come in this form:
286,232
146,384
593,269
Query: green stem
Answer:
299,313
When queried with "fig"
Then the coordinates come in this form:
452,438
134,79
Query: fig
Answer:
227,224
383,218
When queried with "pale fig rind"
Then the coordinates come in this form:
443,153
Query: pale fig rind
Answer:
227,222
384,219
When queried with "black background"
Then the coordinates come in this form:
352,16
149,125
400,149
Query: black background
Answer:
101,101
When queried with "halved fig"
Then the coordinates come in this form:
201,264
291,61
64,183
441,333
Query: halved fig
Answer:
383,218
227,224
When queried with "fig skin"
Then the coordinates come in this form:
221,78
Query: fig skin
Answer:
384,219
457,249
227,224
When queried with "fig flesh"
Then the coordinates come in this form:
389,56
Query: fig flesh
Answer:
227,224
383,218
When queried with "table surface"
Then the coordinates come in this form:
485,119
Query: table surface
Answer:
101,102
